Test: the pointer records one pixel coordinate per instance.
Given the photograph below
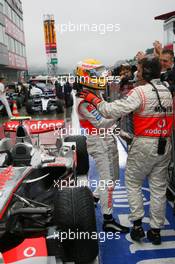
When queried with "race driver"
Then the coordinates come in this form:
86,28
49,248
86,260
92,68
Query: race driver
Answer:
102,146
149,154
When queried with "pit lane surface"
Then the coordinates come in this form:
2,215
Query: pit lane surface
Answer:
122,250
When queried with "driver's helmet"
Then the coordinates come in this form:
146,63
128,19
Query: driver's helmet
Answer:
92,73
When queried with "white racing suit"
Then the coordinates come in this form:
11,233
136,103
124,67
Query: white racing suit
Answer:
5,102
102,146
143,160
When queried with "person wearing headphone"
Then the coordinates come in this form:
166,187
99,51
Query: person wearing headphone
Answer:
149,153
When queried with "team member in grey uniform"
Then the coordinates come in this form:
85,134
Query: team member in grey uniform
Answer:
102,146
149,154
3,98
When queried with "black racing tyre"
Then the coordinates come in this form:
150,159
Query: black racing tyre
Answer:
69,101
60,107
82,154
74,214
29,107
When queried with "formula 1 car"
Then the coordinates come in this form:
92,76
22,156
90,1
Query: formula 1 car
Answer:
42,98
42,212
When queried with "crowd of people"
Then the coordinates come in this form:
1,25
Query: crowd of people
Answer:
128,73
151,104
63,92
